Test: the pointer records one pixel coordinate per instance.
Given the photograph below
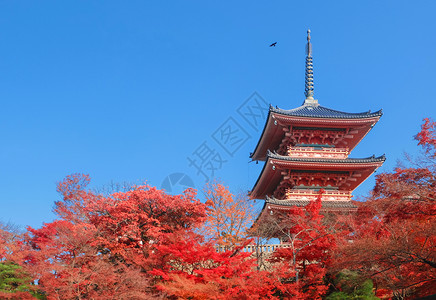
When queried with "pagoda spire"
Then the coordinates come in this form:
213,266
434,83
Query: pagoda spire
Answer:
309,74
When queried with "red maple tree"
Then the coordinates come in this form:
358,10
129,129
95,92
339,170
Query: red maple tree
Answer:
302,264
394,241
103,247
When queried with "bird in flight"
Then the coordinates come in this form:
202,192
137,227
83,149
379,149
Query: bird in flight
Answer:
273,44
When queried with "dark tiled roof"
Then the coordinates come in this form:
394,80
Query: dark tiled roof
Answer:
318,111
328,160
300,203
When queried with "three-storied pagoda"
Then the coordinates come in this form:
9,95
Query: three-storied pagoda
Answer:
306,149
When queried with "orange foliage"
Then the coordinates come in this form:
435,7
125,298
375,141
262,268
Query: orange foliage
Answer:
228,216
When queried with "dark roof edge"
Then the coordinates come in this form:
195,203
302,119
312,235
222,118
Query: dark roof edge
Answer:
289,203
260,175
362,115
373,158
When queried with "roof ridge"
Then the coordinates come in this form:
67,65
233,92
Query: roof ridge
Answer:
319,111
372,158
292,202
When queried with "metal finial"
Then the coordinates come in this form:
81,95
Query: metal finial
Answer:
309,45
309,70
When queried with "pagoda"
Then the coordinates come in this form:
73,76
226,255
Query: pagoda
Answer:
306,149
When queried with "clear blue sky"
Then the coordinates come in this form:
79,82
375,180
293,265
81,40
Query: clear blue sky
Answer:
126,91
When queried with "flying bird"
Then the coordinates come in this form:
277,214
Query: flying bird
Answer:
273,44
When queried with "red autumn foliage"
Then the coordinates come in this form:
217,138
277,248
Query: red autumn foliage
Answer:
17,284
198,271
103,247
303,264
394,242
144,243
11,246
68,265
427,137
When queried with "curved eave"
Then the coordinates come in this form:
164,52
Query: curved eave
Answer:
252,194
321,112
281,158
326,204
278,209
265,132
286,120
270,176
277,119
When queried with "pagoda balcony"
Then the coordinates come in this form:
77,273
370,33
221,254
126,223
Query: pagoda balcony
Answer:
267,248
318,152
308,195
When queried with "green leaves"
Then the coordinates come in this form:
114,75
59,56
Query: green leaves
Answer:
15,283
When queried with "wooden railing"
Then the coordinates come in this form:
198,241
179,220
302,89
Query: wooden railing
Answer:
268,248
317,152
311,149
300,194
313,192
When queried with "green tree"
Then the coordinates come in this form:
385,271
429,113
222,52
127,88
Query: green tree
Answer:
352,287
15,283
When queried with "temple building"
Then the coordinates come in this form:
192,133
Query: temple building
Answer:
306,149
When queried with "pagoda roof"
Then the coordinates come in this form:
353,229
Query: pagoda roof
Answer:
300,203
271,176
318,111
311,114
274,208
348,160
